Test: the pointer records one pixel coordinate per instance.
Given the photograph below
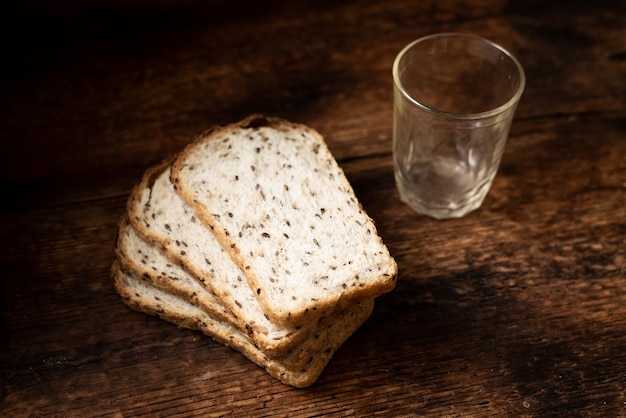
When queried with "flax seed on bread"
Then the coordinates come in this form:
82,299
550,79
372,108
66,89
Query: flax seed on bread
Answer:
276,199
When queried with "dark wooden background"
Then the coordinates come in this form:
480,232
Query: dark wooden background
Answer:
518,309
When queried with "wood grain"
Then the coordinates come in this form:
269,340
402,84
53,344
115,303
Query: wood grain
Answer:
518,309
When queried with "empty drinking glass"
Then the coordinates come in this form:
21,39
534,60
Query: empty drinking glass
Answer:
454,100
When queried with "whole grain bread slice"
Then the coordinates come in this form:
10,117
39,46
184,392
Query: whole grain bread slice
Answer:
162,219
275,197
146,262
144,297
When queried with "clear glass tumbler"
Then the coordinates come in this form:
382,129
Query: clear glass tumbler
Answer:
454,100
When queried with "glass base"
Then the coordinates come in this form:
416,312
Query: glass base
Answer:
446,210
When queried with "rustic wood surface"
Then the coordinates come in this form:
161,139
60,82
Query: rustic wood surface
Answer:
518,309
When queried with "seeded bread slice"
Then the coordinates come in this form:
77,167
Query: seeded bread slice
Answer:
275,197
162,219
146,262
144,297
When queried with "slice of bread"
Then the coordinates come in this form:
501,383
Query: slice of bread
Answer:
299,367
275,197
162,219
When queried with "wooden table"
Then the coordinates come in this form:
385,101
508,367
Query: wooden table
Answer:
518,309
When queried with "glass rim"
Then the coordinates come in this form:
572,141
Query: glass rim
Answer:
478,115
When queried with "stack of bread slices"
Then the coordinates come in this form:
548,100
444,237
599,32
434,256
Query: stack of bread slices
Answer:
254,236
